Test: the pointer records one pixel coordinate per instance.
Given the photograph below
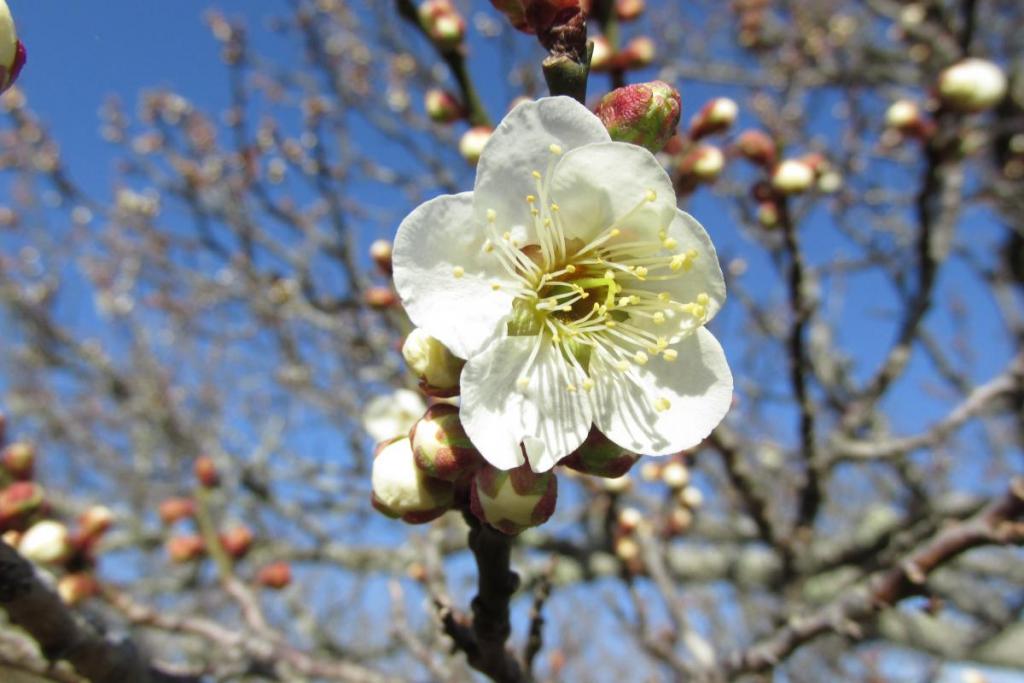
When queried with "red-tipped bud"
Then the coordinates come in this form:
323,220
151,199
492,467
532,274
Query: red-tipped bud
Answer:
18,501
513,500
236,541
380,298
471,144
19,459
174,509
793,176
714,117
703,163
74,589
276,575
972,85
183,549
629,519
602,58
442,106
679,521
628,10
46,542
441,447
768,214
757,147
206,472
638,53
402,490
443,23
600,457
380,252
94,522
690,497
644,114
12,51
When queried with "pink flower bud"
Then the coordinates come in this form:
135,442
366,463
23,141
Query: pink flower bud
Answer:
638,53
380,298
600,457
536,16
629,519
441,447
628,10
95,521
793,176
206,472
437,368
404,491
704,163
74,589
236,541
276,575
18,501
714,117
19,459
12,51
443,23
972,85
471,145
182,549
644,114
46,542
513,500
442,106
174,509
380,252
755,146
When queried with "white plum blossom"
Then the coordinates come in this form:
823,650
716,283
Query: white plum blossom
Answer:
386,417
574,288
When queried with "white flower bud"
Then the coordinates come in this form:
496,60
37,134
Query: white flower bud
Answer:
46,542
691,497
793,176
629,519
972,85
675,475
401,489
432,361
386,417
471,145
902,114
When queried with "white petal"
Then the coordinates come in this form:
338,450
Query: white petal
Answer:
520,145
546,417
607,184
444,277
695,392
392,415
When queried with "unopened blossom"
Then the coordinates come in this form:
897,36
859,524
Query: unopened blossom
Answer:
902,114
442,106
402,490
972,85
386,417
12,51
793,176
645,114
443,23
471,144
600,457
46,542
441,447
757,147
18,459
714,117
513,500
380,252
575,289
437,368
638,53
704,163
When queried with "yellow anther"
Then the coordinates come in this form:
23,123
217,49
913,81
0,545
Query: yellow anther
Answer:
670,354
530,199
622,365
624,301
677,262
664,296
662,342
570,268
506,236
640,358
488,246
554,207
610,323
534,212
554,149
662,404
651,195
662,234
522,383
492,215
571,388
609,274
588,384
495,286
458,271
615,232
535,174
669,243
640,272
658,318
703,299
691,254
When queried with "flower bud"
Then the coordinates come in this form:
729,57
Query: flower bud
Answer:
691,497
903,115
629,519
602,56
768,214
442,23
704,163
793,176
442,106
46,542
515,12
380,298
628,550
95,521
755,146
600,457
644,114
830,181
19,459
714,117
402,490
638,53
675,475
436,366
236,541
679,521
471,144
380,252
18,501
73,589
441,447
183,549
617,485
972,85
628,10
394,414
513,500
12,51
275,575
173,509
650,471
206,472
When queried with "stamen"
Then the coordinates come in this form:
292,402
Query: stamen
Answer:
458,271
662,404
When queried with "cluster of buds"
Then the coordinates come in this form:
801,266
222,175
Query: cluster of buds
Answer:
638,53
686,498
644,114
625,543
442,23
381,297
12,51
972,85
